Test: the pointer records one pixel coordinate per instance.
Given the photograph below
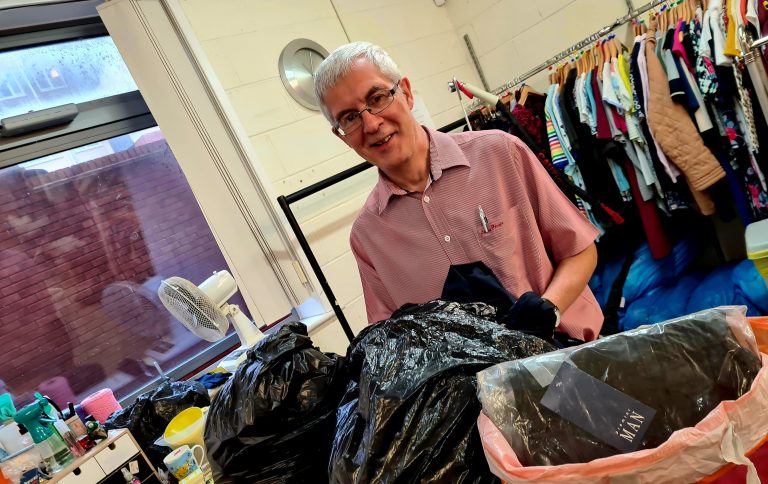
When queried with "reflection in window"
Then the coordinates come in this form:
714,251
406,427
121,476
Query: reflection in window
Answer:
77,71
9,87
49,80
86,236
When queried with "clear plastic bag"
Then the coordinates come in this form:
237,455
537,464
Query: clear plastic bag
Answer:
682,369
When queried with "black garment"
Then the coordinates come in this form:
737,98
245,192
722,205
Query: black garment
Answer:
682,369
476,282
634,71
691,103
591,154
688,44
570,126
410,412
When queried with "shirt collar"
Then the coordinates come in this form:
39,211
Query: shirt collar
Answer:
444,153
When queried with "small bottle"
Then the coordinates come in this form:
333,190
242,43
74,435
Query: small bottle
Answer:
74,423
129,477
69,438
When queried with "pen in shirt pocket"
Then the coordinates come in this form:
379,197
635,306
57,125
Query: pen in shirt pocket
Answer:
483,219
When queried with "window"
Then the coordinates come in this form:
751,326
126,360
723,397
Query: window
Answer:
85,242
73,71
92,217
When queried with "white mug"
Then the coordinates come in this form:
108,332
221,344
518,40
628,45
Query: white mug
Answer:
182,461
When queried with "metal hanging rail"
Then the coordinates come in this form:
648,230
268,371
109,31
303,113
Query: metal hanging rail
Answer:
579,45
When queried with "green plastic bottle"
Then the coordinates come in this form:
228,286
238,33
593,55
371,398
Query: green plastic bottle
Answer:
49,443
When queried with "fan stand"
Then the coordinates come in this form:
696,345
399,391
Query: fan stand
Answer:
248,333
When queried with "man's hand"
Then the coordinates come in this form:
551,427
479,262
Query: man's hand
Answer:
533,315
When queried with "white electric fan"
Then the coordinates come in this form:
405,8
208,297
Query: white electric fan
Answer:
205,312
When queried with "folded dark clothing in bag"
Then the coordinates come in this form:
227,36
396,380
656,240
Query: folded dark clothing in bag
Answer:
682,369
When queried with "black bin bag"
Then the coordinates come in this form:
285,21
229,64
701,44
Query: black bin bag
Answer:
410,411
150,414
274,420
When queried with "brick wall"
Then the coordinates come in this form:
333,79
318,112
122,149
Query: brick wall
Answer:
81,252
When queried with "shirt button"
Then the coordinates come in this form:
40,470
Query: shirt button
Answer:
426,198
447,238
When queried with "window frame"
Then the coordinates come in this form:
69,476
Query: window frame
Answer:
98,120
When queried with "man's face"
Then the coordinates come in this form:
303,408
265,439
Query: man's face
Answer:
387,139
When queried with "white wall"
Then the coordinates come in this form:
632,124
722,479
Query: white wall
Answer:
243,40
510,37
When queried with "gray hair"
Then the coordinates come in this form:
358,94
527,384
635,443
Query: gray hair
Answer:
340,62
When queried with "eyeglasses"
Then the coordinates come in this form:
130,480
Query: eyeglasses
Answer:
376,103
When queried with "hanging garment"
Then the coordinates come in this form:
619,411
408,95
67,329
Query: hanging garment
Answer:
677,44
657,237
660,157
592,154
559,158
591,103
731,48
601,119
713,18
677,135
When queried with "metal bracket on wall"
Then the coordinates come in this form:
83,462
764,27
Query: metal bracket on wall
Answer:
476,61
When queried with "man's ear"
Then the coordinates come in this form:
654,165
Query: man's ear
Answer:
405,85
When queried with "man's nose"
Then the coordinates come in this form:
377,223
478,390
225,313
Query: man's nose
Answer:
371,122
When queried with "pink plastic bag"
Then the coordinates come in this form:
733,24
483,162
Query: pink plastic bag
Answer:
691,454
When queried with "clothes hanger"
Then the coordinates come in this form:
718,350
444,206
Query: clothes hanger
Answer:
596,51
525,91
612,47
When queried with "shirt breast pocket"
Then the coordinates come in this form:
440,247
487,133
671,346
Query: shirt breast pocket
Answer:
499,243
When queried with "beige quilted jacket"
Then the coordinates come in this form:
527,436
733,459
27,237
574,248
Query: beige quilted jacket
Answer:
677,135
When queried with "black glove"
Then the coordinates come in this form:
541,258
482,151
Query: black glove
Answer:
532,314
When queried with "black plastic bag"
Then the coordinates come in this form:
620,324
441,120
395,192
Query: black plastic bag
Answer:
410,411
274,420
150,414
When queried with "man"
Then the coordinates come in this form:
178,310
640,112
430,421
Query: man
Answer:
449,199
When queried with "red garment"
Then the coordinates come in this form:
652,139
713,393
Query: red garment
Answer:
533,124
404,243
603,128
658,241
677,45
618,120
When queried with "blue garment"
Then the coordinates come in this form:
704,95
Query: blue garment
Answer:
591,103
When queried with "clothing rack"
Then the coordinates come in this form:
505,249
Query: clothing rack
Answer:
579,45
285,202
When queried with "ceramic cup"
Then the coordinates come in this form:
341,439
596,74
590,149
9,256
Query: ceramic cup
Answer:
182,461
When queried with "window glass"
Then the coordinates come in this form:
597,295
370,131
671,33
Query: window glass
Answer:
44,76
86,236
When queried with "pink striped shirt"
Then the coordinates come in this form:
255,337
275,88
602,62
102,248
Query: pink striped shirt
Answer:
405,243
